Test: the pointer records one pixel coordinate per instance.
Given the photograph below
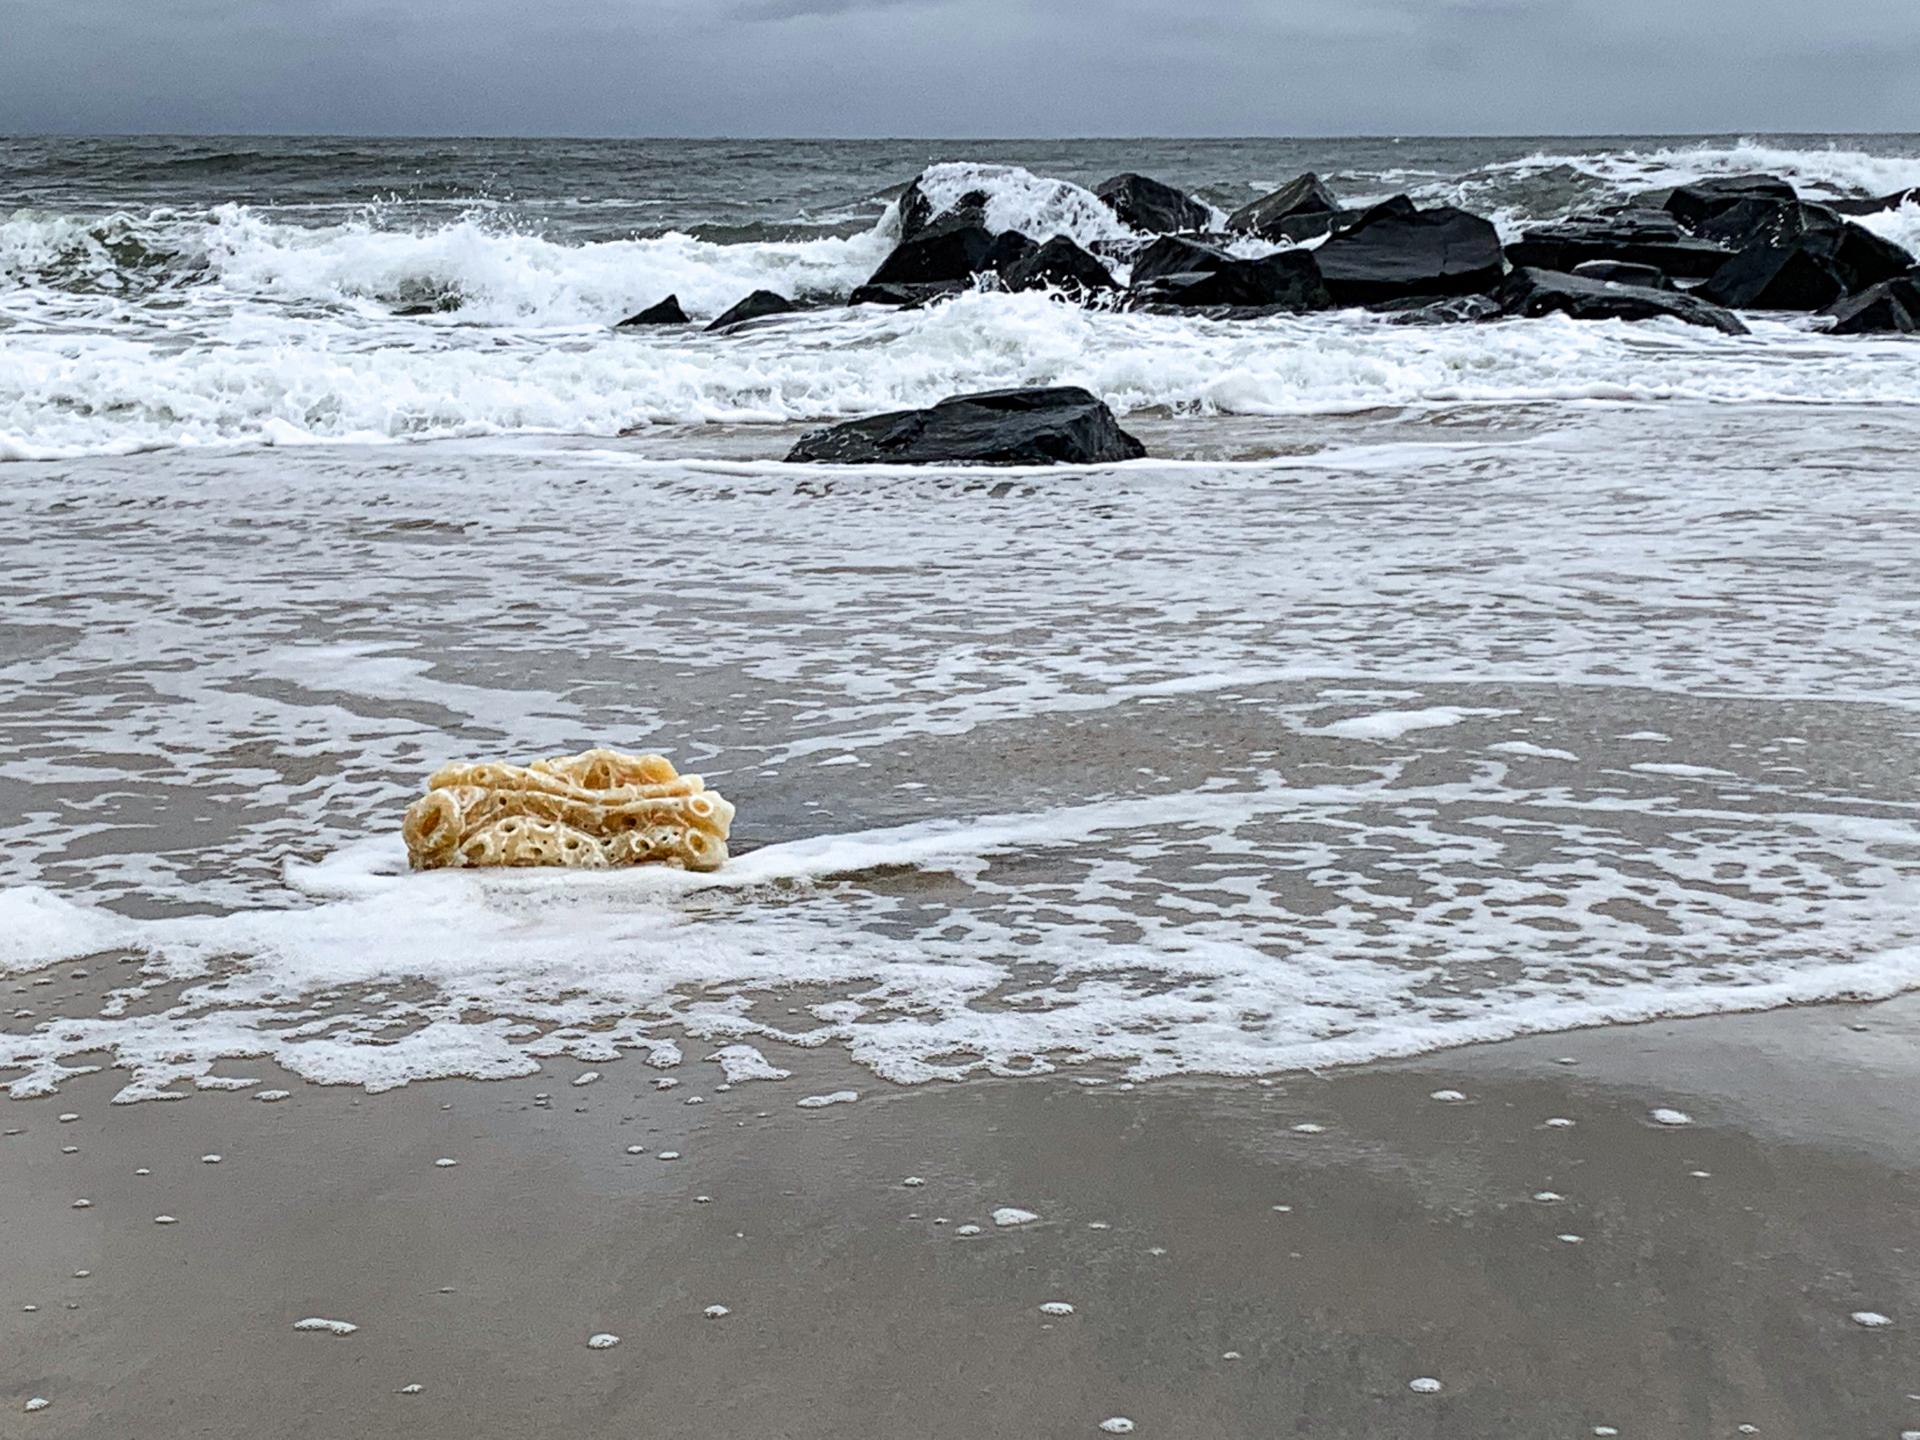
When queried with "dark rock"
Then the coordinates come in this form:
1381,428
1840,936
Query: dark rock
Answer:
1059,426
952,249
1875,205
917,212
1459,310
1891,307
907,297
1289,280
1803,257
1175,255
1059,265
1146,204
1632,236
1775,277
1694,204
1298,210
1008,249
758,305
1395,250
667,312
1619,272
1534,293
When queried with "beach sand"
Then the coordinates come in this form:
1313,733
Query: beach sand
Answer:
1713,1287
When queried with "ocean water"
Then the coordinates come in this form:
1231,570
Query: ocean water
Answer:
1426,686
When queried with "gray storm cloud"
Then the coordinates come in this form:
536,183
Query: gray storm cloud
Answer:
958,67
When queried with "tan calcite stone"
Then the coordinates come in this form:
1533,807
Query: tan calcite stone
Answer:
591,811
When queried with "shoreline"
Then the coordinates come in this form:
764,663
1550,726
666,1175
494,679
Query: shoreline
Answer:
1415,1247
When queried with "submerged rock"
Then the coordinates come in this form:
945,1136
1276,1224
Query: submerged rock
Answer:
1875,205
1289,281
591,811
1632,236
907,297
1534,293
756,306
1060,265
1064,425
1299,210
1147,204
1457,310
1890,308
1396,250
667,312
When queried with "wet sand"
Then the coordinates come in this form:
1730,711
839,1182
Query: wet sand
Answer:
1712,1287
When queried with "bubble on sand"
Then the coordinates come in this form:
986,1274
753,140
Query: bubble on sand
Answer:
1571,1239
586,1077
1560,1122
318,1324
1447,1097
1056,1307
68,1118
446,1162
81,1274
269,1096
694,1100
1664,1116
602,1341
1548,1197
669,1155
143,1170
743,1062
968,1230
211,1159
83,1204
913,1182
665,1082
1604,1431
1307,1127
820,1102
411,1389
69,1149
1872,1319
1424,1385
38,1402
165,1220
1010,1215
716,1312
1229,1354
636,1149
1283,1209
1118,1425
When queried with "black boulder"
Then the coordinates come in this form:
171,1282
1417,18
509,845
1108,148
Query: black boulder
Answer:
1876,205
1395,250
1890,308
1630,237
1289,280
1693,205
1064,425
1533,293
1147,204
1175,255
1620,272
1059,265
758,305
1298,210
667,312
948,250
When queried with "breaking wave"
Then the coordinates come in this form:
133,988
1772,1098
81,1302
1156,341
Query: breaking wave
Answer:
234,325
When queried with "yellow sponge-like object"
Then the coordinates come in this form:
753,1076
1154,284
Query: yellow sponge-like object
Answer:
592,811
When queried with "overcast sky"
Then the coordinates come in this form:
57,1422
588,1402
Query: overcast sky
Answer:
958,67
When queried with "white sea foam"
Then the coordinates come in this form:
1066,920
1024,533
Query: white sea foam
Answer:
259,662
281,334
